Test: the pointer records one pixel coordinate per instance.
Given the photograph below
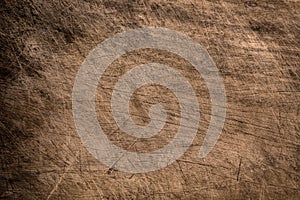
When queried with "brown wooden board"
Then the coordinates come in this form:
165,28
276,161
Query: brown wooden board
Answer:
256,47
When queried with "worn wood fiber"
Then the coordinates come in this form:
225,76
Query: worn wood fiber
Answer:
256,47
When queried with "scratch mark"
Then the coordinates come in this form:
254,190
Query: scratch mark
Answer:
239,170
61,178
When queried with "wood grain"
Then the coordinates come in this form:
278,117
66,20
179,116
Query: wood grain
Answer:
255,45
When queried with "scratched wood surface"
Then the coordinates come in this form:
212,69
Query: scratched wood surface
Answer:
255,45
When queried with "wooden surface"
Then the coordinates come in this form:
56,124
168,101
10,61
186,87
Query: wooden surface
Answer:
255,45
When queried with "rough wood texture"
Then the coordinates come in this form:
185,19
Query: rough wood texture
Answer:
255,45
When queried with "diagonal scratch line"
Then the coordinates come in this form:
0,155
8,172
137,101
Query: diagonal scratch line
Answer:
61,178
